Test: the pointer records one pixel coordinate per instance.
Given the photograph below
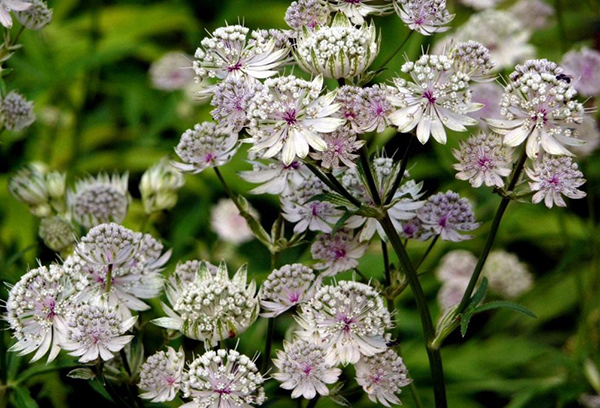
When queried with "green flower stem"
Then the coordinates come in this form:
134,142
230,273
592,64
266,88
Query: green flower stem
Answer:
268,344
125,362
109,278
397,50
333,184
516,174
429,248
400,175
364,161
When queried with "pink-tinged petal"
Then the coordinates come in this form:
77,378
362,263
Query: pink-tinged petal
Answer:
323,125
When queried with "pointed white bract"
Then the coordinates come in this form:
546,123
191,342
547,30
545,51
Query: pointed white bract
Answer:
6,6
541,109
36,311
436,97
223,379
382,376
212,307
289,115
287,287
275,177
358,10
348,319
304,369
554,177
161,375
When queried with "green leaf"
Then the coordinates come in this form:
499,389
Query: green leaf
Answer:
465,317
22,398
506,304
333,198
340,223
82,373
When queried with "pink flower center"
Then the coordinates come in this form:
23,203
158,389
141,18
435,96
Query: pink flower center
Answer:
428,94
235,67
290,117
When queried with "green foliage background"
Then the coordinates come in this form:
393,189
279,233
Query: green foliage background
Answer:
96,110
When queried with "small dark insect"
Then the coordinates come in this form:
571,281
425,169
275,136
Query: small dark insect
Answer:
393,343
564,77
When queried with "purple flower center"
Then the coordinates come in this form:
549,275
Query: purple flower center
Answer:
290,117
428,94
235,67
209,157
353,1
443,221
484,162
294,297
339,253
306,369
347,322
554,181
295,165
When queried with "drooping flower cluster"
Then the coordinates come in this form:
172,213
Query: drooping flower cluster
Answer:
288,115
212,307
447,214
436,97
161,375
348,319
337,252
204,146
100,199
424,16
303,368
223,379
337,51
554,177
287,287
540,107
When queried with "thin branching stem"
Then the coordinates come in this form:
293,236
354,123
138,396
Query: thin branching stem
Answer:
396,51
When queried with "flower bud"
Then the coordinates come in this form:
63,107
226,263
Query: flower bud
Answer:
28,185
57,233
159,187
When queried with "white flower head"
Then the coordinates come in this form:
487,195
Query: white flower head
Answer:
297,207
480,4
306,13
304,369
337,51
57,233
172,71
472,58
507,275
456,266
96,331
6,6
381,376
204,146
366,109
229,53
483,159
288,115
228,224
100,199
337,252
159,186
213,307
231,100
161,375
36,17
425,16
445,214
16,112
287,287
223,379
554,177
535,14
436,97
36,311
342,146
348,319
29,186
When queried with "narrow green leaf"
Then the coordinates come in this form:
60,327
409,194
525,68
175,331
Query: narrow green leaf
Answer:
506,304
22,398
479,294
465,318
340,223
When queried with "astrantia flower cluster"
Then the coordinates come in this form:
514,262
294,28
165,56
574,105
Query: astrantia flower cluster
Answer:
447,214
231,100
381,376
507,275
424,16
554,177
473,59
287,287
337,51
358,10
366,109
342,146
161,375
16,113
337,252
172,71
306,13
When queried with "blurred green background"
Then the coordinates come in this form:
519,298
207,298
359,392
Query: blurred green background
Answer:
97,111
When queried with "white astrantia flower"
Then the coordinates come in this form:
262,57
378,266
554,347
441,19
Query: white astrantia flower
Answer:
445,214
223,379
535,14
211,308
472,58
306,13
36,17
287,287
309,215
342,146
204,146
436,97
133,259
36,311
288,115
554,177
6,6
337,252
161,375
382,376
583,68
29,186
172,71
349,319
506,274
340,50
228,224
159,185
16,112
541,108
229,53
483,159
100,199
454,271
366,109
425,16
303,368
95,331
358,10
276,177
404,204
231,100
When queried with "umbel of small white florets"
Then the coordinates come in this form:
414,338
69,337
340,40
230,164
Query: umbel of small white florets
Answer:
473,59
231,100
288,115
446,214
100,199
382,376
337,252
213,307
161,375
348,319
6,6
424,16
507,275
342,146
303,368
36,311
204,146
554,177
287,287
16,113
223,379
36,17
306,13
159,186
337,51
